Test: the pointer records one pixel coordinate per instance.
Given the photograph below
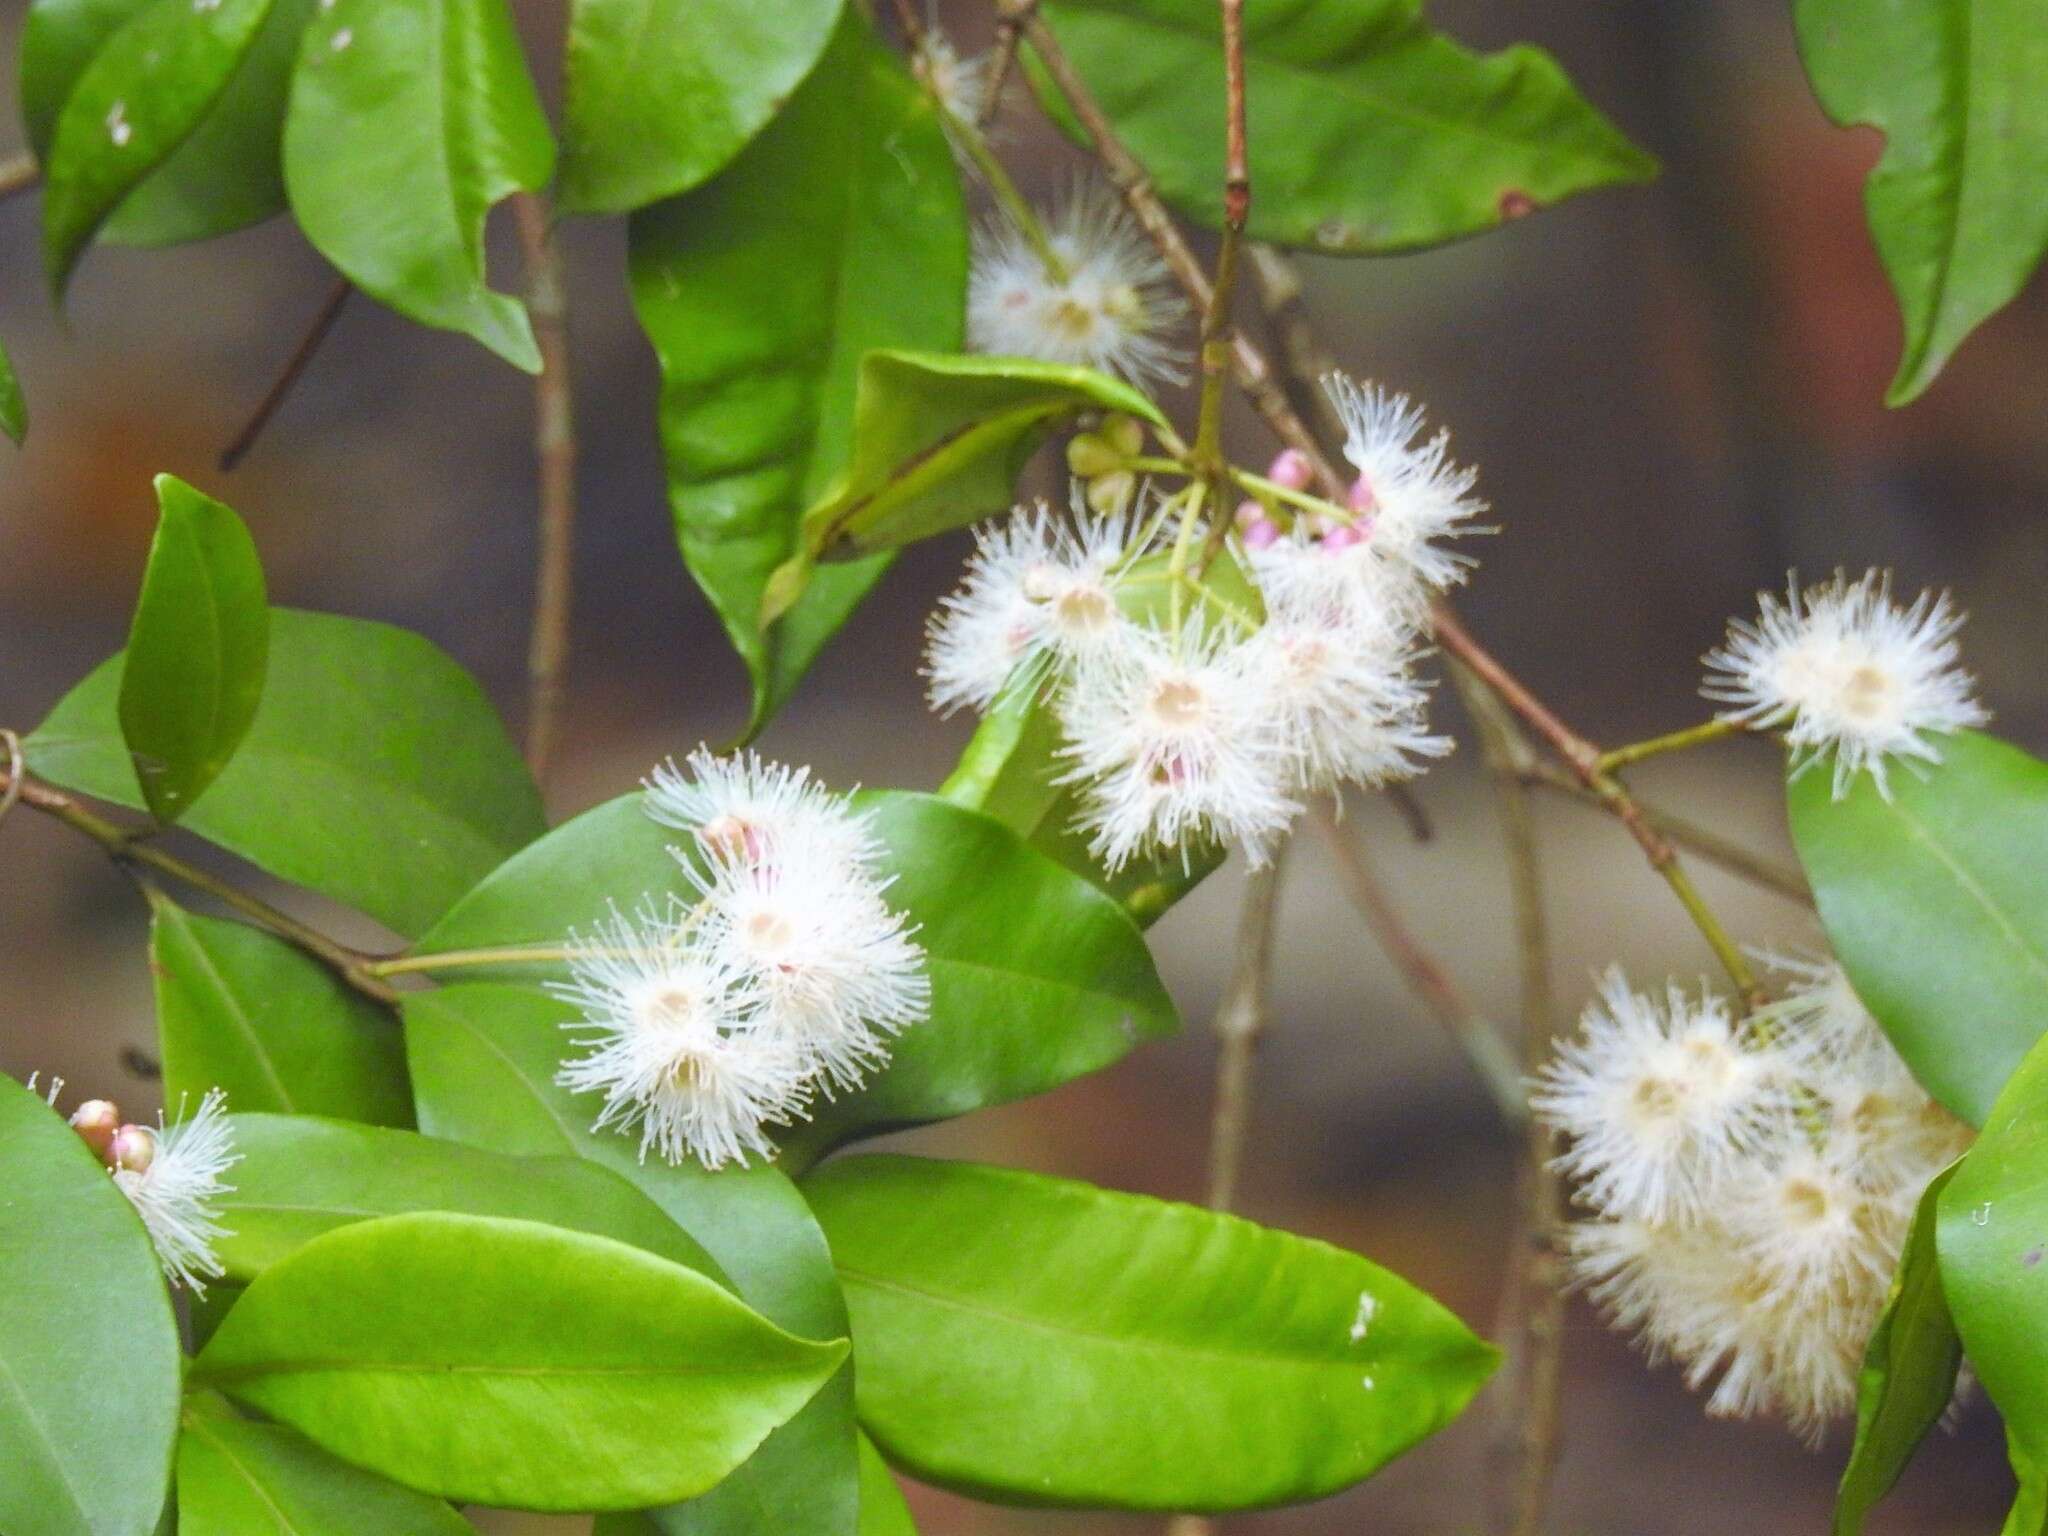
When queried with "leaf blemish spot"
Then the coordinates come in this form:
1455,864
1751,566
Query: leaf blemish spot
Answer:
342,38
1515,203
1362,1323
2031,1258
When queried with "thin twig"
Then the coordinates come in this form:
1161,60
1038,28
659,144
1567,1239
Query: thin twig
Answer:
1480,1041
1414,814
1524,1453
129,850
18,173
1002,57
1241,1019
1781,879
554,450
11,795
302,354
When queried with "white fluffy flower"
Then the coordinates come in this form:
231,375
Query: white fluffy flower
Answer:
1845,671
1408,494
173,1176
743,809
1171,744
678,1042
1113,310
959,83
1033,588
1342,697
1661,1103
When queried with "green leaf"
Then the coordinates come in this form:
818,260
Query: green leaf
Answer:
408,120
840,229
302,1176
1909,1373
197,649
13,408
1954,205
1367,131
242,1011
85,1305
58,41
1009,771
1932,901
375,771
1041,1341
484,1059
504,1362
143,93
1037,976
660,94
229,173
1991,1235
882,1510
241,1479
939,441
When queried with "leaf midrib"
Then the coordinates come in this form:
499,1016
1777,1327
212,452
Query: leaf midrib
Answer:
51,1458
1971,886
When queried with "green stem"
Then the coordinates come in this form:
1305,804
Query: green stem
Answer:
1673,741
1177,566
461,959
1259,485
1016,207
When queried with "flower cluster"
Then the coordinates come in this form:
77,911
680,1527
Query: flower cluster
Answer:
1102,301
1750,1181
1845,672
706,1023
172,1175
1203,709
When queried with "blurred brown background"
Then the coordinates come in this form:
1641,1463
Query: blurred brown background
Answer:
1673,393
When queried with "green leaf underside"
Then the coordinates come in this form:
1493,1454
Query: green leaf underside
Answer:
484,1059
408,121
273,1028
1040,1341
1955,204
302,1176
838,230
509,1363
229,172
13,408
241,1479
1037,976
85,1304
1992,1237
1367,131
1932,902
938,442
1909,1373
142,94
197,649
1009,770
660,94
375,771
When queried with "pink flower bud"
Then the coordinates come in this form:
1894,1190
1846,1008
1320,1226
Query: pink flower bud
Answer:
96,1121
1261,534
1342,538
1249,512
133,1148
1361,498
1290,468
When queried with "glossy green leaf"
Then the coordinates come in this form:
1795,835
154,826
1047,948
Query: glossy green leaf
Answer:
1367,131
408,121
660,94
229,173
938,442
1991,1235
141,96
1954,205
839,230
84,1298
58,41
301,1176
236,1478
1042,1341
13,408
882,1510
1009,771
197,649
1932,901
247,1013
505,1362
484,1059
375,772
1909,1373
1037,976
